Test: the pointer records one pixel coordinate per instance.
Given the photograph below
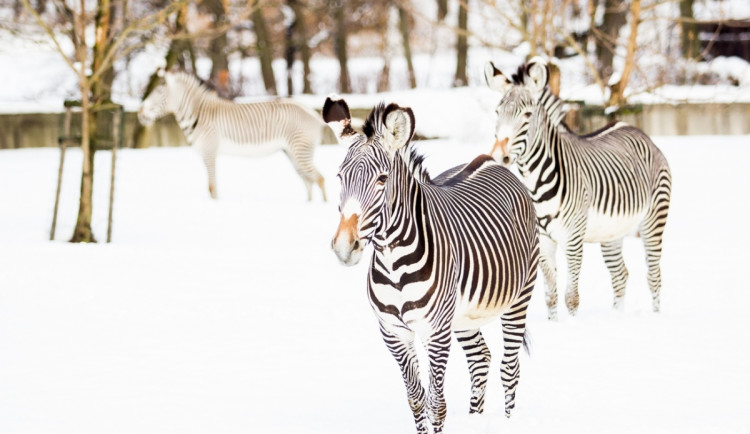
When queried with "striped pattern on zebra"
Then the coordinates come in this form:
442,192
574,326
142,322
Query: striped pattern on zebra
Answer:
212,124
597,188
450,253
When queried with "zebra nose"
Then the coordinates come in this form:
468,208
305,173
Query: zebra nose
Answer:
355,245
500,147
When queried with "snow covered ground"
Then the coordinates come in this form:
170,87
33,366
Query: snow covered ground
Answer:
233,316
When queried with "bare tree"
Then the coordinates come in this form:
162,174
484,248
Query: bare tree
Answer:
111,42
689,33
264,49
617,89
340,43
462,44
403,18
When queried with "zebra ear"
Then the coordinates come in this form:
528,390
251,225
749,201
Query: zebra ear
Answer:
537,75
336,115
399,127
496,80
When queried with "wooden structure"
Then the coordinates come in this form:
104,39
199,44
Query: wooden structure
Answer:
724,38
109,136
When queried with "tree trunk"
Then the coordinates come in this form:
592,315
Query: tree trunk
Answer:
403,18
82,231
617,90
442,9
218,50
265,54
615,16
290,51
301,43
462,45
388,24
337,9
178,50
690,41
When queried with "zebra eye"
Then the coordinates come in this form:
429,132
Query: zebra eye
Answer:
527,115
382,178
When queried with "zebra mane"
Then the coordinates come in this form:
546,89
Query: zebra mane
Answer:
194,85
518,76
552,103
374,127
553,106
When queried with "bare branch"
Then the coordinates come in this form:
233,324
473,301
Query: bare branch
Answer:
47,29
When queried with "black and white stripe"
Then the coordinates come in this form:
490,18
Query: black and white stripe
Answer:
213,124
451,253
597,188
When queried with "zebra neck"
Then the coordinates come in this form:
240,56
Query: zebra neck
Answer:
552,107
540,167
405,217
191,103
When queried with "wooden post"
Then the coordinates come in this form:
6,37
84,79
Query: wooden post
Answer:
63,143
116,115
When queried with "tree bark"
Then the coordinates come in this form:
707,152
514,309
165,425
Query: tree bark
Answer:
442,9
301,42
290,51
82,231
617,90
462,45
265,55
689,36
340,37
178,50
615,16
218,50
403,18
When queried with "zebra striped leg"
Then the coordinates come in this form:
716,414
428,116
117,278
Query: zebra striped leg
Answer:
652,231
548,263
438,346
208,153
612,253
402,348
514,328
301,155
574,255
478,357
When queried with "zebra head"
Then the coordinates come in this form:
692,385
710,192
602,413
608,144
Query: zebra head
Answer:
157,104
365,173
518,104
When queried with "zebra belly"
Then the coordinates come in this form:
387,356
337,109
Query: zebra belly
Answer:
250,149
469,315
602,227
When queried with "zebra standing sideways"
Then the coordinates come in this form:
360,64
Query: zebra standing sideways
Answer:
212,124
594,188
451,253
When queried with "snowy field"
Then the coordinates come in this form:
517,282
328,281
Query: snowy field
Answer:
233,316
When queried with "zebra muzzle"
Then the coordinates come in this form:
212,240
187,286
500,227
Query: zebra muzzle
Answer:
346,244
500,151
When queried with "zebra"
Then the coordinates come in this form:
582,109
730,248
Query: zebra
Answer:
212,124
596,188
450,253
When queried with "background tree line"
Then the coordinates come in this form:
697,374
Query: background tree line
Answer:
96,38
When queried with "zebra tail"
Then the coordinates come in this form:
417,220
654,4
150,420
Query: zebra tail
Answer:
527,342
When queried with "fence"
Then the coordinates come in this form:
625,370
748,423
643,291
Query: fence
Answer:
42,129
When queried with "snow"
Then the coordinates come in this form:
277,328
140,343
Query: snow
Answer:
234,315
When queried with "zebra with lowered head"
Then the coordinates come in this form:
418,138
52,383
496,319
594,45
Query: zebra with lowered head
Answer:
450,253
594,188
212,124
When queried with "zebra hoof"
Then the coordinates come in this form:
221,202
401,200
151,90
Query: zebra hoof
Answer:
618,304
